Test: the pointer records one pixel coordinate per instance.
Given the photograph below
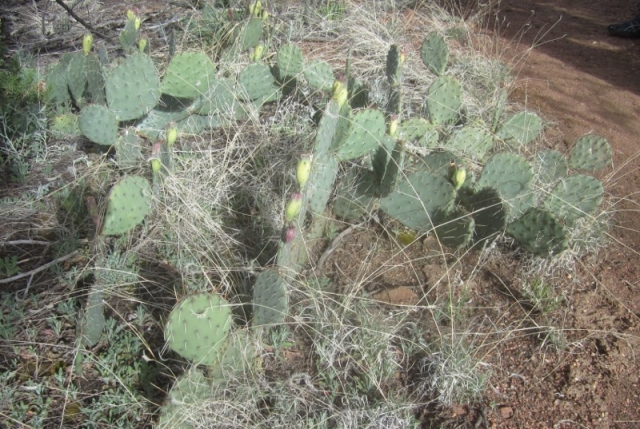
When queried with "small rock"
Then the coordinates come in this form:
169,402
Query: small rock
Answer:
506,412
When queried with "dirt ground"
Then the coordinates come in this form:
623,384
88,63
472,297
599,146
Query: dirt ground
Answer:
584,81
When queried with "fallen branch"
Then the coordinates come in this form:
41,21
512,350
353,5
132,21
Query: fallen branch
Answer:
18,242
83,22
41,268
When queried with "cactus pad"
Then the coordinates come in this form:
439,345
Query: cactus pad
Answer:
355,194
509,173
366,132
550,165
324,171
99,124
539,232
444,100
488,211
575,197
472,141
198,326
394,65
435,53
128,151
133,88
290,62
256,82
189,390
414,129
235,357
250,34
520,129
188,75
590,152
77,76
270,299
319,75
417,198
455,228
128,204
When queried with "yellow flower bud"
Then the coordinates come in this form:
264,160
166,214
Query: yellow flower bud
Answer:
259,51
340,92
303,171
293,207
131,15
459,177
155,165
172,135
264,15
87,43
137,22
393,126
142,44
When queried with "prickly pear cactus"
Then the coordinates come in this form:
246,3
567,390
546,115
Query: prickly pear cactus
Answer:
99,124
488,211
128,149
366,132
133,88
128,204
455,228
355,194
590,152
444,100
237,356
270,299
417,198
290,62
539,232
435,53
189,390
414,129
257,82
188,75
319,75
575,197
198,326
550,166
520,129
472,141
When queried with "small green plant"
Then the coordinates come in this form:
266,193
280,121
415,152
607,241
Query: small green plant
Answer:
9,266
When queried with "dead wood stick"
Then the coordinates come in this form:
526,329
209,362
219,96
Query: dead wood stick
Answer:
83,22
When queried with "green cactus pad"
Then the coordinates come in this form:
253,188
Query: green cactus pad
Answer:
249,35
444,100
189,390
188,75
394,168
417,198
366,132
520,129
128,35
92,324
270,299
319,75
488,211
58,83
509,173
99,124
435,53
355,194
133,88
220,98
290,62
539,232
471,141
415,129
95,80
327,129
128,204
455,228
128,149
198,326
550,166
77,75
324,172
155,123
575,197
439,162
236,357
256,81
394,66
590,152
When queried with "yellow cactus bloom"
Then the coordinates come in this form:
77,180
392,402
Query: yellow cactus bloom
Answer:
340,92
87,43
172,135
303,171
293,207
